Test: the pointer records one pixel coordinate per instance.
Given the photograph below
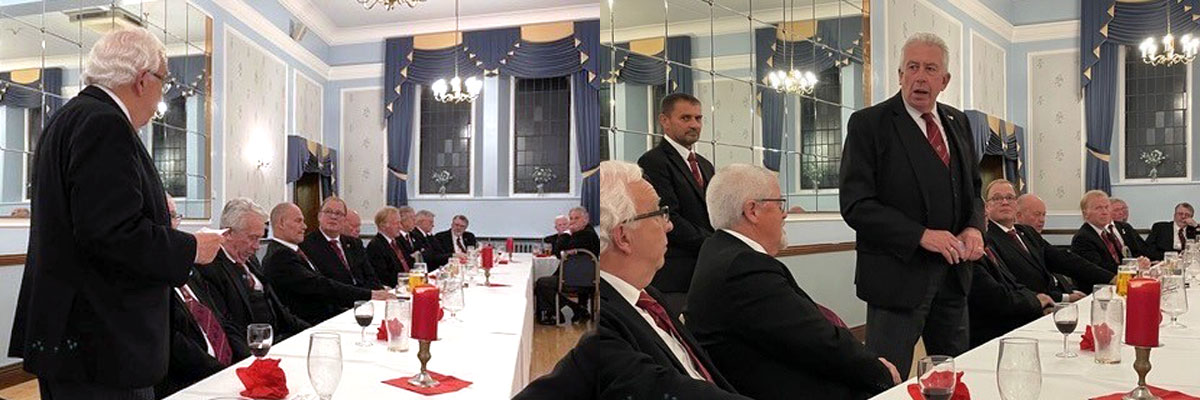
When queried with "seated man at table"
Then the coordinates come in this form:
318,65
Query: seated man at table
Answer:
391,249
1173,235
423,244
998,302
1120,216
766,334
239,288
356,251
329,251
1031,212
302,288
203,341
1099,240
581,235
562,233
456,239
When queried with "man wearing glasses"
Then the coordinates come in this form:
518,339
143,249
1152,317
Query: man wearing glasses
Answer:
329,251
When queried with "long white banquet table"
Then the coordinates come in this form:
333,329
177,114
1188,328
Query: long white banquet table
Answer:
1174,364
490,347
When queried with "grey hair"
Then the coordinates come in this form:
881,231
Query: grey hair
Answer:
236,210
425,214
616,202
931,39
119,56
732,187
580,210
406,210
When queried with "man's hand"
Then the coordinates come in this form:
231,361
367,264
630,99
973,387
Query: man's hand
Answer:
1143,262
207,244
1045,300
382,295
973,240
891,368
1075,296
1190,222
944,243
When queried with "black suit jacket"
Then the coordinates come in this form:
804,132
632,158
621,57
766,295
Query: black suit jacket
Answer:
1084,273
431,253
672,179
230,295
999,303
306,292
584,239
444,241
1131,235
190,361
384,259
1028,268
767,335
322,254
1162,238
100,240
557,241
1088,244
893,187
603,365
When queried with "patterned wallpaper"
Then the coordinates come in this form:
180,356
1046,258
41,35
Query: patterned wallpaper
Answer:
364,159
988,84
729,121
308,108
1055,159
906,17
255,112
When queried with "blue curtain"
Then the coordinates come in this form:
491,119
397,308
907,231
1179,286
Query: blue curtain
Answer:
487,49
652,70
302,160
1008,147
185,70
328,172
398,101
587,115
28,96
1100,103
770,102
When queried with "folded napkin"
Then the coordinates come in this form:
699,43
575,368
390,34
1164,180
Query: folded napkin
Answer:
502,261
263,380
446,384
1104,334
382,334
1160,392
960,388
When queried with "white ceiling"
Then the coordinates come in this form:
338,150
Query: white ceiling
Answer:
349,13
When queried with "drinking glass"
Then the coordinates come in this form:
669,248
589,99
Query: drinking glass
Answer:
1174,297
364,313
402,284
453,296
396,315
1108,323
324,363
1066,317
937,377
1125,272
259,337
1018,369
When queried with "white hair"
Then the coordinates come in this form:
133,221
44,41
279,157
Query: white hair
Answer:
119,56
236,210
732,187
616,202
425,214
929,39
580,210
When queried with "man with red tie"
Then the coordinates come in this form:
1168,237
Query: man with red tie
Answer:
203,341
910,189
680,176
1172,235
457,239
1099,240
390,251
328,250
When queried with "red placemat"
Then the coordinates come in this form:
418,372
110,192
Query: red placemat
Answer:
1160,392
447,384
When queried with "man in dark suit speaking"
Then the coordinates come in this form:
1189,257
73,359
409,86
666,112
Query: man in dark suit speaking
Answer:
679,175
910,189
92,314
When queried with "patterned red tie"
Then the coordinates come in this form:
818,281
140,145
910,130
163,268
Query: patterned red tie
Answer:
695,166
935,138
342,255
1110,241
659,315
1012,233
399,256
209,325
991,255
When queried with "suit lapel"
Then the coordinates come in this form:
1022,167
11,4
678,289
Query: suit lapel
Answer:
681,165
1008,243
627,314
231,272
915,145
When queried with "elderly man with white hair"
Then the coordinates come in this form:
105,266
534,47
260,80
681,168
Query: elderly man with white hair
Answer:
100,236
768,336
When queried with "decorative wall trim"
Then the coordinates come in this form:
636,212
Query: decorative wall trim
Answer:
259,24
11,260
14,374
355,71
1046,31
986,17
818,248
375,33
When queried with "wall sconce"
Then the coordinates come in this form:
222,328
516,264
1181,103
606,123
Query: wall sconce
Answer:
258,151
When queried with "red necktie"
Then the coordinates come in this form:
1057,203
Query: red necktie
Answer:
342,255
208,325
1110,241
935,138
831,316
695,166
1012,233
659,315
991,255
461,247
400,256
300,252
1182,239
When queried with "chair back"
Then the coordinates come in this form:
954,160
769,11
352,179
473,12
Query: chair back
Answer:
578,268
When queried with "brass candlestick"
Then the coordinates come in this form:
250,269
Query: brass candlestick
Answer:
423,379
487,277
1142,366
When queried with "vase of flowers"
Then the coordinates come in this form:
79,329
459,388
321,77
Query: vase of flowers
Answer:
442,178
542,176
1153,159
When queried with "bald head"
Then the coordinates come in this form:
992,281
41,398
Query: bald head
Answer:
1031,210
287,223
352,225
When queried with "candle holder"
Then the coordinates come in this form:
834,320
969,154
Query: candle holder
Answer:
1142,366
423,379
487,277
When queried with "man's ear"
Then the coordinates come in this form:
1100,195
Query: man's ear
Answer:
619,241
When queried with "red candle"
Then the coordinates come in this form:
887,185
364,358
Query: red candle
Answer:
425,312
1143,314
508,246
486,254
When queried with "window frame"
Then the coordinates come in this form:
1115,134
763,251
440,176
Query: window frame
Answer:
572,161
415,154
1120,126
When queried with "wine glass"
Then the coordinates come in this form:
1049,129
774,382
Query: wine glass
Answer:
453,299
364,313
1018,369
324,363
1066,317
937,377
259,337
1174,297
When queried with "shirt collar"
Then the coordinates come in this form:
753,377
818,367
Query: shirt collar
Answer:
330,239
749,242
1004,228
118,101
917,114
403,233
1100,230
627,291
684,152
389,239
285,243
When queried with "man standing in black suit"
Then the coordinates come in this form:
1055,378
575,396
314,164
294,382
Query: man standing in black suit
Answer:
763,331
456,239
329,250
390,251
300,285
1173,235
1099,240
910,189
100,236
238,287
680,176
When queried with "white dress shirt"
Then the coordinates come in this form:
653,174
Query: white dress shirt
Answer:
257,285
1175,236
179,291
631,294
295,248
684,152
916,116
748,241
1116,233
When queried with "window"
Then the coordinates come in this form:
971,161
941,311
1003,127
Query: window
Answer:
821,134
169,147
542,135
445,150
605,121
1156,110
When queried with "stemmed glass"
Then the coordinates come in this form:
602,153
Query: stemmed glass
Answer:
259,337
324,363
937,377
1174,296
364,313
1018,369
1066,317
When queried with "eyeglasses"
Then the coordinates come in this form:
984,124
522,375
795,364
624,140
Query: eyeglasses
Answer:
999,199
333,213
780,201
662,212
176,216
167,80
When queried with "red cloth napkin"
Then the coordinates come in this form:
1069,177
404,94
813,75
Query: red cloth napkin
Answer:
382,334
263,380
447,384
960,388
1160,392
502,262
1104,335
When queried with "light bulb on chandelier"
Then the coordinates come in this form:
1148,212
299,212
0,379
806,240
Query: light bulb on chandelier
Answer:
388,4
1187,47
793,81
456,90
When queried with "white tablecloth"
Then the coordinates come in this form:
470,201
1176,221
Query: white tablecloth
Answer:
491,348
1080,377
544,266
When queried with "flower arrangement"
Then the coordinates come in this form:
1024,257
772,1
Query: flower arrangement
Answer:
1153,159
542,176
442,178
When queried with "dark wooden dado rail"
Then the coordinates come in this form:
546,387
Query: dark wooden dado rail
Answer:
9,260
807,249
